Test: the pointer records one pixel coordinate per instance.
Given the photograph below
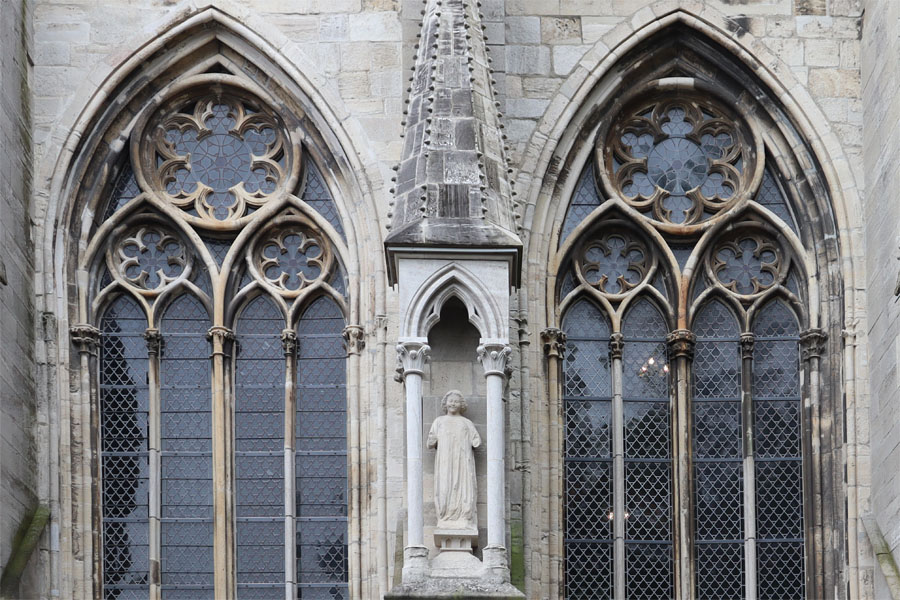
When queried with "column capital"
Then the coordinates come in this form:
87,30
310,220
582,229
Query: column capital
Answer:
616,345
154,341
747,341
289,342
493,357
354,339
554,341
412,356
681,343
219,333
86,337
812,343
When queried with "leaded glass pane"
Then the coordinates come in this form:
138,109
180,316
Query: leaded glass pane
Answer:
321,454
259,450
771,196
718,459
779,470
186,531
316,194
588,453
583,203
648,451
124,461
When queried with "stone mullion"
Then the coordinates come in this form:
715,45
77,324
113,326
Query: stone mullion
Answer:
223,465
289,344
812,346
354,343
154,349
87,339
616,348
749,465
681,343
554,342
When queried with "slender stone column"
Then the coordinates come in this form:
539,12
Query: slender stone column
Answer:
493,358
354,342
154,341
681,343
554,341
747,342
413,354
616,351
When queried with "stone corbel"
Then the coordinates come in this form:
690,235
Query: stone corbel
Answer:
154,341
86,337
354,339
812,344
616,346
289,342
681,343
747,342
554,341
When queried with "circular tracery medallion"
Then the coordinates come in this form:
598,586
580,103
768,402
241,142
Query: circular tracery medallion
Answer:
218,154
678,158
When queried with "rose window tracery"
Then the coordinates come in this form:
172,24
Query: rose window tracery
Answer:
682,160
218,158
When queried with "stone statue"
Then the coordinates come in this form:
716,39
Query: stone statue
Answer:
454,436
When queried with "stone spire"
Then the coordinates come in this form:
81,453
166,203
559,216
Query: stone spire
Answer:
452,188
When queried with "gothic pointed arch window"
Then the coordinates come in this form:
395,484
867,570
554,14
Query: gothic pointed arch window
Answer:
217,286
682,290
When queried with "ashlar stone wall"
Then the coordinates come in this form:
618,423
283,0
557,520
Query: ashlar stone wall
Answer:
19,407
881,142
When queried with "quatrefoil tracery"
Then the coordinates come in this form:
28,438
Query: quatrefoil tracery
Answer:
679,160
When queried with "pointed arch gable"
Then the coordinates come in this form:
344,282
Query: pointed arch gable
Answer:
453,281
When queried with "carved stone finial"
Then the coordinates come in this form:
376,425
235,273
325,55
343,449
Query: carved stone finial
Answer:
554,341
354,339
747,341
681,343
493,358
86,337
154,341
289,342
812,343
616,345
413,356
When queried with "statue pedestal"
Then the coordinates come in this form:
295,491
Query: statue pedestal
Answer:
455,559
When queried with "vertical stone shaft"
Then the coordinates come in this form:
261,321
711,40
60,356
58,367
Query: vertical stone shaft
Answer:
747,340
413,355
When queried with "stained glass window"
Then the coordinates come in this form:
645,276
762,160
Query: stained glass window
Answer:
222,383
720,439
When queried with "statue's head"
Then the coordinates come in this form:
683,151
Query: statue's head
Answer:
456,400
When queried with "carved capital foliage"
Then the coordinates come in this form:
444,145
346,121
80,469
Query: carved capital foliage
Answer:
354,339
494,357
289,342
554,341
747,340
812,344
412,357
616,345
681,343
86,337
220,335
154,341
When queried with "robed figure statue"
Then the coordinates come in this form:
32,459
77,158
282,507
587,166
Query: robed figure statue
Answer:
455,493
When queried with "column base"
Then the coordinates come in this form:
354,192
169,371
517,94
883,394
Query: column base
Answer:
415,565
496,564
